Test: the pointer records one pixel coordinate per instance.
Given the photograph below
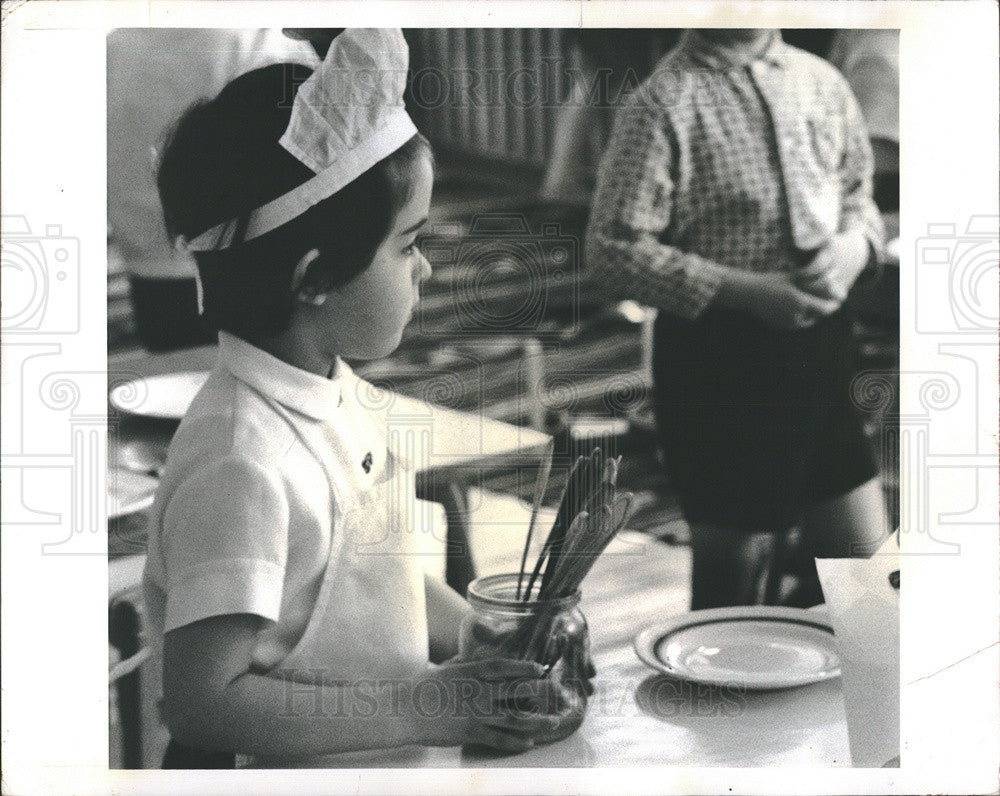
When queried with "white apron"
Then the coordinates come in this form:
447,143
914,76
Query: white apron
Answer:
369,622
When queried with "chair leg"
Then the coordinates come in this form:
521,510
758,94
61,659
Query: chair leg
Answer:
460,569
123,633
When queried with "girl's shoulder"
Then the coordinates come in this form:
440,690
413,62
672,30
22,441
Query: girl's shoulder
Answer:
228,418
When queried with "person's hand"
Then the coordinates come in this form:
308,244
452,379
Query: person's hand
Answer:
836,266
778,302
500,703
565,655
568,655
571,649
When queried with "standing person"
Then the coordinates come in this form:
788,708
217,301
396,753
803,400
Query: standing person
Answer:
735,196
283,581
155,74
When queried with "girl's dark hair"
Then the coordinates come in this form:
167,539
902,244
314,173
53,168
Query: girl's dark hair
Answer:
222,160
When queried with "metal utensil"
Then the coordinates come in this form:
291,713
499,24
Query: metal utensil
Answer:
541,483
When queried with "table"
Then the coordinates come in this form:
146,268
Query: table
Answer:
638,717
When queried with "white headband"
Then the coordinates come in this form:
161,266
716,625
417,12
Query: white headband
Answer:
346,117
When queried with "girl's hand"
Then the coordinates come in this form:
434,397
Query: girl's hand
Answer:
572,650
836,266
501,703
572,670
778,302
567,656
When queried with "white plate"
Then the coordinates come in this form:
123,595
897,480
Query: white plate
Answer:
755,647
165,397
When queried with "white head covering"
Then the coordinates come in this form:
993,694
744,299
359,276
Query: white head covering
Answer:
346,117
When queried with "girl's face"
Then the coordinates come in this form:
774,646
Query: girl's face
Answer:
364,319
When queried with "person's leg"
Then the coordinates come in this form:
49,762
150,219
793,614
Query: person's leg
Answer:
727,566
852,525
849,525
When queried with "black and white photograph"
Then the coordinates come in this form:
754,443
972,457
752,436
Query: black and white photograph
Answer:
495,395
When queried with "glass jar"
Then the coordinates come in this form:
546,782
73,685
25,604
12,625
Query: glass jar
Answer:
551,632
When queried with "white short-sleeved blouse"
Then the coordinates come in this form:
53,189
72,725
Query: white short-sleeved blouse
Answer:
243,518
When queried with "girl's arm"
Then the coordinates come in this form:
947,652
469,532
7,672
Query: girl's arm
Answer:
213,701
445,612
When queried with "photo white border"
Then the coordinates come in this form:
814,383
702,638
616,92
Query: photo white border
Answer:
54,607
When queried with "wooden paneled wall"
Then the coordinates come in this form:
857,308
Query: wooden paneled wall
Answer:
489,91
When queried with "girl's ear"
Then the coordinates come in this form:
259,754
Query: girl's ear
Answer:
302,291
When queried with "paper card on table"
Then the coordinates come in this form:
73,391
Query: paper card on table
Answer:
864,610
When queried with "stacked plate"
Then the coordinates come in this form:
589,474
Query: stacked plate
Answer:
165,397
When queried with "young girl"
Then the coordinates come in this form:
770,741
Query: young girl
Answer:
296,619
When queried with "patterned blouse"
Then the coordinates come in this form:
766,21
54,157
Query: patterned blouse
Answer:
746,159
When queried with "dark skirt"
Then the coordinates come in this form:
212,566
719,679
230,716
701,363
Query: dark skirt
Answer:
756,422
